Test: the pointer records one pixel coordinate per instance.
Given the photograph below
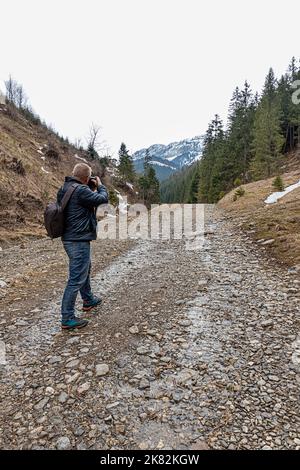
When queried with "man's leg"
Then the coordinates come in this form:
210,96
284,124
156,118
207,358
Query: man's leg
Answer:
86,291
79,264
89,300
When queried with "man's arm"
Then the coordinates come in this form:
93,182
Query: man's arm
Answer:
90,199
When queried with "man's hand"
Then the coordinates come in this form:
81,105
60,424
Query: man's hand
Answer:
98,181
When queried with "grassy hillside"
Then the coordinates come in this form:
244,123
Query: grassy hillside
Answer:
33,163
276,227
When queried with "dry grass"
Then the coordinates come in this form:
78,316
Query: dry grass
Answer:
279,221
25,189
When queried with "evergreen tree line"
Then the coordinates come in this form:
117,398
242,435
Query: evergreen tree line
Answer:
180,186
251,145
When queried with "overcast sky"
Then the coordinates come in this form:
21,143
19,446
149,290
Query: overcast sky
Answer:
147,71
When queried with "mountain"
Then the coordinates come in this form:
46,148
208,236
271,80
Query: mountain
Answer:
167,159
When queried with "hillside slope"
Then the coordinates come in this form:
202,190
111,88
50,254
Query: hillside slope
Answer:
33,163
276,227
178,187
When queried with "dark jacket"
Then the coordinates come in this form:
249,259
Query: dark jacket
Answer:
80,213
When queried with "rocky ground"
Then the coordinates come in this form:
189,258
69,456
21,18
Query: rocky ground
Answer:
191,349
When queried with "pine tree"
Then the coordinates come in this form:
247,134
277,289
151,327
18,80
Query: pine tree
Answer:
290,112
278,183
147,161
149,184
126,167
294,109
153,196
268,140
213,164
293,69
240,132
284,94
143,185
193,192
92,152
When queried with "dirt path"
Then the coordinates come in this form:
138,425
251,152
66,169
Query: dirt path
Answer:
190,349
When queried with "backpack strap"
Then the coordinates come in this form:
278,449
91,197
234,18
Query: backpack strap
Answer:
67,196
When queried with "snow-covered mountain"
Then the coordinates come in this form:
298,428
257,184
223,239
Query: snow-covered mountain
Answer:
166,159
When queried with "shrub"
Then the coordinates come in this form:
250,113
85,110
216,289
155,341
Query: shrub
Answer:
30,115
17,167
52,153
237,182
11,111
238,193
92,153
113,198
278,183
45,195
104,161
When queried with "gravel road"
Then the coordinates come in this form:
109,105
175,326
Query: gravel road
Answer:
191,349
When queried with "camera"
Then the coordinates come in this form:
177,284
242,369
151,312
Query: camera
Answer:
92,183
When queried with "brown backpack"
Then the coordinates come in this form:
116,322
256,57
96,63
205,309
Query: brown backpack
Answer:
54,214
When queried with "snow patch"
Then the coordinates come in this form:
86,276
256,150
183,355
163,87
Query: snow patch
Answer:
129,185
45,171
122,203
279,194
198,157
152,162
80,158
171,158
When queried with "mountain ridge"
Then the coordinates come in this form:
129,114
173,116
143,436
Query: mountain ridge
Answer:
169,158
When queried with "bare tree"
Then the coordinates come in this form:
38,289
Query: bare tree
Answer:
93,139
78,143
15,93
11,86
21,98
94,144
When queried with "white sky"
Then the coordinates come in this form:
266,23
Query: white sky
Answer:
147,71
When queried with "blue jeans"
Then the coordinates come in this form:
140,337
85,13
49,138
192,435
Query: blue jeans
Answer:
79,254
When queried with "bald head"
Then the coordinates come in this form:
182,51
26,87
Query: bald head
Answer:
82,172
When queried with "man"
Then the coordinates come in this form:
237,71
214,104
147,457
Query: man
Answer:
79,231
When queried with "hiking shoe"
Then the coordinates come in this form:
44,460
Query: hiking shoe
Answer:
87,306
73,323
